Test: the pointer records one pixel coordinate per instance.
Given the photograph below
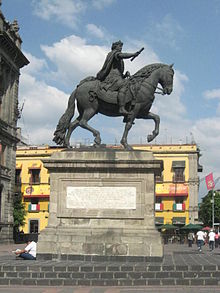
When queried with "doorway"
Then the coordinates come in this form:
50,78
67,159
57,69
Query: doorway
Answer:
33,226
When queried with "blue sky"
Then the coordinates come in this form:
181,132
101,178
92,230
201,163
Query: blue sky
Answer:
67,40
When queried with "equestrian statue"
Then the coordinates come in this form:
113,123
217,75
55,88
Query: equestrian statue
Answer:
113,93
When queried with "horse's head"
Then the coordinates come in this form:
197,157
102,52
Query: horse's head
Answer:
166,79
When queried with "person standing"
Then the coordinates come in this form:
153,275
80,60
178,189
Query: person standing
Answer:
190,238
200,239
211,239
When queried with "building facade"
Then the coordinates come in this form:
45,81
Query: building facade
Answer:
11,60
176,190
33,181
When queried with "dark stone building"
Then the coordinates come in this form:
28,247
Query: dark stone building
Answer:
11,60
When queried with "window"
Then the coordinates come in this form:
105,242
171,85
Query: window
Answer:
18,176
2,154
179,175
34,206
158,199
178,170
158,204
179,205
35,176
34,226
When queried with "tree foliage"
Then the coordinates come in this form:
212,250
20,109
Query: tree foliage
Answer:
205,209
19,212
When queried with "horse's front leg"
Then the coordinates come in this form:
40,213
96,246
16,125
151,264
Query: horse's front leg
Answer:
156,119
128,126
124,141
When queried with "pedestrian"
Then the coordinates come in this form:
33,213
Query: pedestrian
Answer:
200,239
211,239
216,239
29,252
190,238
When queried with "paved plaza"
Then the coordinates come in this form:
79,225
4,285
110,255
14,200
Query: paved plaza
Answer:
177,258
174,254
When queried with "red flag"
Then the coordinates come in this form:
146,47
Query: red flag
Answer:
210,184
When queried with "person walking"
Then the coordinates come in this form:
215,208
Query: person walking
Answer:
216,239
211,239
200,239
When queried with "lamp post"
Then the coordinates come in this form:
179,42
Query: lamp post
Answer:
213,208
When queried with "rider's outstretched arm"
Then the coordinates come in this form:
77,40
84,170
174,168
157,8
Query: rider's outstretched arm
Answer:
127,55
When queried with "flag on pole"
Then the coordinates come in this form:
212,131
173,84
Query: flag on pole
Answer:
210,184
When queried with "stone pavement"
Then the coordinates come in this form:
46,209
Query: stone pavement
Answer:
183,269
149,289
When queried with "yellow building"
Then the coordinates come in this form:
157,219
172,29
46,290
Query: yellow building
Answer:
34,183
176,190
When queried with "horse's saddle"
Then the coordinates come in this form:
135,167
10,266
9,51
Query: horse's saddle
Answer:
107,96
102,92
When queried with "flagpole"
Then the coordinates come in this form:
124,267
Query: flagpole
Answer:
210,184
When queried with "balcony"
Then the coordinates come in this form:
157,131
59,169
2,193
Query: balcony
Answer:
179,207
178,178
34,181
33,207
159,207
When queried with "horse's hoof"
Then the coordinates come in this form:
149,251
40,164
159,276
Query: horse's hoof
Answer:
96,145
150,138
128,148
67,145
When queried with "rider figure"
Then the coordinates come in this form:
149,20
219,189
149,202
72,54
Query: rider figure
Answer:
112,75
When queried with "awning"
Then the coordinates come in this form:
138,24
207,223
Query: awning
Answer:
178,164
171,194
34,166
159,220
37,195
178,189
179,220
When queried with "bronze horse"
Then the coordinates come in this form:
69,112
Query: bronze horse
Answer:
141,88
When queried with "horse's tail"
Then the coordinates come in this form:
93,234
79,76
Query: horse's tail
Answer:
64,121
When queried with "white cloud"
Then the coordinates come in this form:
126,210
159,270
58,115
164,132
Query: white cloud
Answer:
165,31
36,65
75,59
95,31
65,11
100,4
212,94
42,105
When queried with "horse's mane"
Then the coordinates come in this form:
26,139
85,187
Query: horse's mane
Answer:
147,70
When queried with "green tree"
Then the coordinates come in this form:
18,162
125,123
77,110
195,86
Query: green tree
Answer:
19,212
205,209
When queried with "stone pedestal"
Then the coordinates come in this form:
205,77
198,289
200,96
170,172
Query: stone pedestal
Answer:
102,203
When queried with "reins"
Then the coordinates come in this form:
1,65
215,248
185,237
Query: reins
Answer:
155,87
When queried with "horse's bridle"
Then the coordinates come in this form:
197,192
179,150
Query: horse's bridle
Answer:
156,87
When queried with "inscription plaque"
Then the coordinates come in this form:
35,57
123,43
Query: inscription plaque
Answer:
101,197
